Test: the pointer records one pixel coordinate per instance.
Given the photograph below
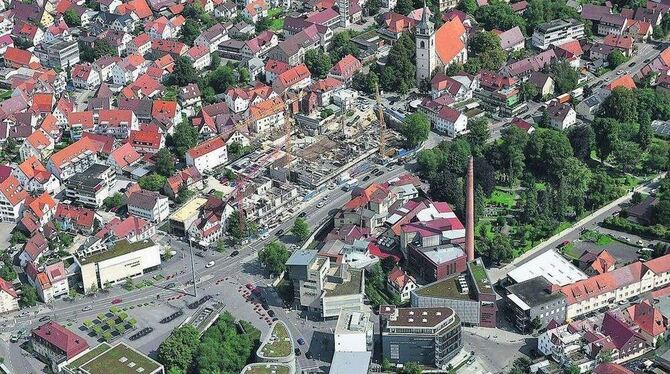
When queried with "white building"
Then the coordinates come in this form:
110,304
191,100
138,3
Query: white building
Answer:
354,332
149,205
12,198
208,155
561,116
557,32
552,266
92,186
9,300
120,261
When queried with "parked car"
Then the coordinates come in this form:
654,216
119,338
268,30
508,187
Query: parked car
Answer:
320,204
301,341
45,319
209,264
117,301
279,232
366,178
308,354
297,352
199,254
234,253
271,313
170,285
86,308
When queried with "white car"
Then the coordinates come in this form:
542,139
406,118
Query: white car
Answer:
209,264
320,204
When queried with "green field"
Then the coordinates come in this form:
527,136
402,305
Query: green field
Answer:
501,198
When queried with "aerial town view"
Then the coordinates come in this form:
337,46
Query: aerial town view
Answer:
334,186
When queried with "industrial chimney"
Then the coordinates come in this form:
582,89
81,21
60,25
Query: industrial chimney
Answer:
470,212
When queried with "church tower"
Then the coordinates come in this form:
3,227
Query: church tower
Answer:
426,58
343,7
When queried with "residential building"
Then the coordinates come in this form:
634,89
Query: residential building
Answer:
511,40
325,287
38,144
117,263
124,159
296,78
445,119
561,116
61,54
92,186
429,336
75,158
208,155
500,94
133,229
267,115
9,300
534,303
183,218
354,332
149,205
56,344
51,283
345,69
12,198
557,32
85,76
116,122
368,207
75,219
400,283
543,82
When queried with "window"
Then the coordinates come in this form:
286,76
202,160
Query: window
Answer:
423,44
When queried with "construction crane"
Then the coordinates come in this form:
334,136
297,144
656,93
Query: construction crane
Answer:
288,128
382,125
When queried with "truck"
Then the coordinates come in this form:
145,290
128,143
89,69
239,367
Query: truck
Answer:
350,184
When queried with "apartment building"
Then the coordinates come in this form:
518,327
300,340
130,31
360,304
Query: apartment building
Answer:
9,300
533,299
75,158
118,262
149,205
61,54
12,199
56,345
429,336
325,287
208,155
92,186
557,32
606,289
354,332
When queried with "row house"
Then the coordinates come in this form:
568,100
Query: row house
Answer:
172,47
116,122
238,99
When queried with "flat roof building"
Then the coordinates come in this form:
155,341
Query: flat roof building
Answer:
119,359
183,218
354,332
535,298
552,266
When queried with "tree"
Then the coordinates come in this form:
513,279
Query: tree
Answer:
467,6
415,129
189,31
152,182
388,263
215,61
412,368
179,348
28,295
616,58
372,7
114,201
223,348
645,134
536,323
165,163
222,78
478,134
185,137
661,342
184,195
582,139
318,63
627,154
662,212
446,186
404,7
429,160
220,245
184,73
485,48
71,18
342,45
606,132
572,369
565,76
658,157
484,175
263,24
399,74
238,230
365,82
499,15
546,153
103,48
300,229
621,105
274,255
512,150
528,91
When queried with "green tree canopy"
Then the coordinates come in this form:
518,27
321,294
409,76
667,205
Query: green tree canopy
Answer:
486,51
185,137
415,129
189,31
274,255
318,63
300,229
152,182
565,76
71,18
621,104
178,350
28,295
478,134
616,58
184,73
114,201
499,15
165,163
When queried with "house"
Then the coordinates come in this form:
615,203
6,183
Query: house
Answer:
189,177
91,186
133,229
652,323
12,198
147,140
190,99
166,114
75,219
122,158
570,51
140,45
561,116
37,144
15,58
368,207
543,82
200,56
9,300
526,66
624,43
273,68
208,155
267,115
557,32
42,208
34,249
458,87
511,40
51,283
128,69
56,344
625,81
324,89
116,122
345,69
85,76
628,342
238,99
35,178
594,264
296,78
149,205
255,9
400,283
212,37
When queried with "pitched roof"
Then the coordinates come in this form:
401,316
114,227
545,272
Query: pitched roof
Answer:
33,168
511,38
266,108
125,155
39,140
144,199
7,287
618,330
610,368
625,81
12,190
206,147
448,40
83,217
63,339
346,67
75,149
41,203
649,318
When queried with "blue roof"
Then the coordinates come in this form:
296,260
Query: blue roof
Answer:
301,257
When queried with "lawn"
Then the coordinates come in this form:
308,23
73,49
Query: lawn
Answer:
277,24
279,344
501,198
277,21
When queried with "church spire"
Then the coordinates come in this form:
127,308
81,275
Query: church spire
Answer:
425,27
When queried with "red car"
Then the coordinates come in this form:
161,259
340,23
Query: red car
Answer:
250,286
116,301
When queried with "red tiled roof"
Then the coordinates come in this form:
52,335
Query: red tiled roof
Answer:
346,67
448,40
610,368
17,56
13,191
75,149
83,217
125,155
625,81
7,287
206,147
648,318
63,339
41,203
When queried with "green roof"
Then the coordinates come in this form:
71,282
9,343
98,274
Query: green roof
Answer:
348,288
120,359
89,355
120,248
446,288
479,276
278,344
266,369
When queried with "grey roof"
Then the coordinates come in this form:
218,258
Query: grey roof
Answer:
350,362
144,199
302,257
534,291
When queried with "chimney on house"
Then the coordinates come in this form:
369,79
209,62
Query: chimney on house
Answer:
470,212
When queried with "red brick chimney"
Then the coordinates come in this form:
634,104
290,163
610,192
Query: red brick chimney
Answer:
470,212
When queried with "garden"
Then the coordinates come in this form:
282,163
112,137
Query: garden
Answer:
110,326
